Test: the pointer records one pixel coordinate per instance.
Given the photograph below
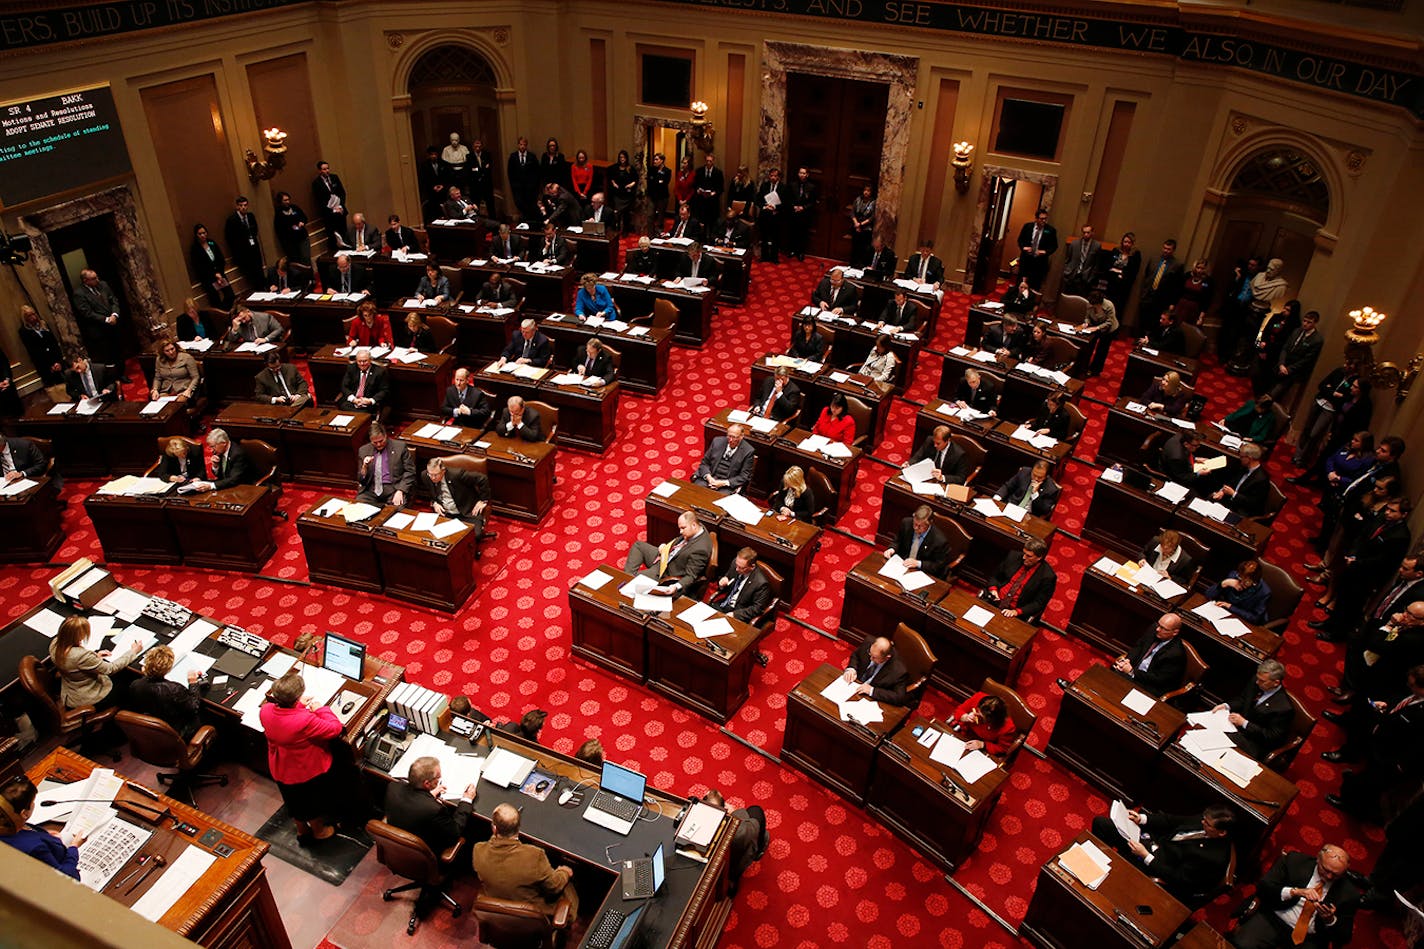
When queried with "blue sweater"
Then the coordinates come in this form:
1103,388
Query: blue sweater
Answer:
46,848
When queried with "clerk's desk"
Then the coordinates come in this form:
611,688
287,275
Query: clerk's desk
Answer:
231,904
309,447
662,650
417,390
692,907
588,415
1137,758
991,538
855,338
786,545
781,448
1022,394
1004,455
643,350
819,386
521,474
965,654
31,521
1126,911
229,529
118,439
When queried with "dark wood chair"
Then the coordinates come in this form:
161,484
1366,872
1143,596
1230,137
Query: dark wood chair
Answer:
72,725
406,855
919,662
1076,421
765,621
510,924
829,334
1020,714
443,329
548,415
826,497
861,414
1275,500
959,542
1194,340
1223,886
1062,353
1196,669
1285,596
615,357
520,289
154,741
44,446
1302,724
456,276
974,455
264,459
1071,309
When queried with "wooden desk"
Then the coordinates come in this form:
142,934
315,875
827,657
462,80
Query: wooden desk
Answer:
229,529
227,374
1126,431
969,654
521,474
31,523
1113,614
787,546
482,332
643,366
547,291
875,294
133,529
391,280
1065,914
1233,661
841,755
979,315
418,568
1143,366
1226,544
991,538
1004,455
339,553
1124,519
588,417
261,420
875,605
694,310
593,253
817,390
908,794
1105,742
1023,394
417,389
735,264
77,453
118,439
781,449
855,339
607,631
454,241
714,682
231,904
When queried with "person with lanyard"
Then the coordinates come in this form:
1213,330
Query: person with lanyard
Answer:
1302,902
743,591
877,672
1157,662
17,805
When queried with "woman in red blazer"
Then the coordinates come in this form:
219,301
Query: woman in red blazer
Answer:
834,423
298,756
370,328
983,721
682,184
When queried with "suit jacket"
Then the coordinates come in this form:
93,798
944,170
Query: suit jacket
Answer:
378,385
371,235
1174,462
189,467
803,194
1299,354
1249,604
558,252
540,349
295,281
754,598
401,473
264,326
1169,288
934,270
985,398
472,398
1267,725
707,267
467,488
26,457
1294,870
600,366
1080,263
738,235
511,870
104,376
882,262
803,505
955,465
934,549
416,810
237,470
377,334
766,188
1037,589
692,229
1043,504
1047,240
906,319
828,298
1180,568
889,683
331,279
178,705
93,307
243,239
608,217
267,386
506,248
500,294
43,347
1250,499
322,192
1168,668
1015,343
402,237
532,429
461,210
737,470
523,178
813,348
689,564
640,262
785,406
1186,868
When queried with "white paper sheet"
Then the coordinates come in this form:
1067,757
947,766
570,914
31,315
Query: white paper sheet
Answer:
399,521
17,487
1107,565
1231,627
111,845
1210,611
45,622
863,711
665,489
279,664
595,580
653,603
977,615
173,881
1216,719
1129,828
639,584
193,660
974,765
839,690
428,430
134,634
445,529
717,626
1139,702
196,631
740,508
341,421
90,577
988,507
1173,492
922,470
249,705
947,751
697,613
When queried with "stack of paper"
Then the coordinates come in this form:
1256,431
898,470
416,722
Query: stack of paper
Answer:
45,622
112,843
1218,719
1173,492
665,489
1087,863
321,683
1135,406
1014,513
740,508
173,883
507,769
1231,627
911,580
1126,826
983,356
134,486
438,432
1107,565
156,406
188,640
987,506
1211,611
971,765
1211,509
705,621
194,661
354,512
340,421
60,408
596,580
124,603
865,711
922,470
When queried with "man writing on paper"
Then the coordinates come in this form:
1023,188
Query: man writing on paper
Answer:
280,383
921,545
19,458
1262,713
385,473
1024,582
86,380
1188,853
677,564
1157,662
228,464
743,590
877,672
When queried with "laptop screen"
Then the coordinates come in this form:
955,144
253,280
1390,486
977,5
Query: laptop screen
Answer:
622,782
625,932
658,870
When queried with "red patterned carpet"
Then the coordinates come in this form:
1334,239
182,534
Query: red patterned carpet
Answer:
833,876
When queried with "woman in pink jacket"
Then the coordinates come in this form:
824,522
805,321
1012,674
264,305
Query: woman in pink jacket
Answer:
298,756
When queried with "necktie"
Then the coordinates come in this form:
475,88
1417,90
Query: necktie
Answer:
1260,698
1037,233
7,464
875,260
1027,498
528,345
915,545
924,268
1146,660
361,387
346,282
734,591
1157,277
1302,925
939,457
380,471
669,551
871,672
770,401
222,465
89,389
1010,596
1243,480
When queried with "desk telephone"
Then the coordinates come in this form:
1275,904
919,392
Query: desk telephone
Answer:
384,743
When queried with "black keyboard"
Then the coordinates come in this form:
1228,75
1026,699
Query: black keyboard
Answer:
601,935
617,806
643,877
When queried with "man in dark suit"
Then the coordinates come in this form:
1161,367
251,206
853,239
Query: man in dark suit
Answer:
244,242
365,386
553,249
777,398
802,199
457,492
42,345
732,231
678,563
19,458
417,805
771,207
1031,489
594,362
726,466
1179,457
1247,487
519,420
97,310
975,391
1394,754
345,277
1037,241
835,295
361,235
696,263
1010,336
280,383
506,245
950,465
1156,663
686,225
1371,682
1080,263
1375,553
400,237
254,326
457,207
433,178
922,545
1298,356
1024,583
882,258
385,469
707,187
1379,633
86,380
924,267
558,206
228,464
329,199
522,170
600,213
480,169
901,314
743,590
1161,284
527,347
466,404
877,672
1189,853
1300,888
1262,713
284,275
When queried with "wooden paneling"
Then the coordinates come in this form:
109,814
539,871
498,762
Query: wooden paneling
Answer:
941,148
598,95
1110,167
281,97
736,93
191,146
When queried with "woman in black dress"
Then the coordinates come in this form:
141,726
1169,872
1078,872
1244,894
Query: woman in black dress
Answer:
208,265
623,190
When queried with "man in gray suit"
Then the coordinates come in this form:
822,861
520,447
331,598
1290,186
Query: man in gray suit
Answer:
97,309
677,564
1080,266
727,465
386,470
251,326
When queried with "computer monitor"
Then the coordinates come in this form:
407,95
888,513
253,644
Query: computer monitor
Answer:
623,782
659,871
344,656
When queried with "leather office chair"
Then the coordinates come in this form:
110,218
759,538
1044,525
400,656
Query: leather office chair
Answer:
1275,500
1020,714
1302,724
826,497
456,276
698,590
1191,547
919,662
520,289
1071,309
71,724
510,924
1194,340
1196,668
264,460
664,314
958,542
44,446
860,413
444,330
974,455
158,743
1076,421
405,854
829,334
220,321
766,620
615,357
1062,353
163,440
548,415
1280,422
1285,596
286,320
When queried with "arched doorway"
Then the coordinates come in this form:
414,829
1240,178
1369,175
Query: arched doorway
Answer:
452,91
1277,201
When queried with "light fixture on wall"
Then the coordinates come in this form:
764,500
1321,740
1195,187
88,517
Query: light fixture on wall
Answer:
963,165
274,156
1360,339
702,134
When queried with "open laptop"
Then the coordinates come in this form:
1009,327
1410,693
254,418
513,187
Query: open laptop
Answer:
643,877
619,799
614,929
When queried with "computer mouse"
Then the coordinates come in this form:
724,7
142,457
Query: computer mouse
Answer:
346,709
565,795
541,787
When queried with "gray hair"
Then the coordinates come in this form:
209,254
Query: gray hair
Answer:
218,437
1273,670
